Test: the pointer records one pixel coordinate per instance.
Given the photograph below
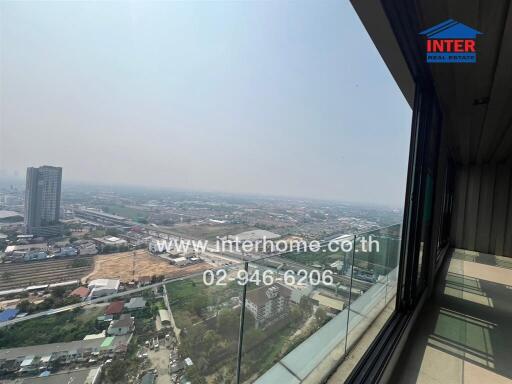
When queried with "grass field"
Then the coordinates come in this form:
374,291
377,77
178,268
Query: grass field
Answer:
128,212
62,327
189,298
207,231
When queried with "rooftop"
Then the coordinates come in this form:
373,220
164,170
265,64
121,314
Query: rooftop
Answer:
257,234
124,321
136,302
82,292
47,349
82,376
260,296
8,314
104,283
9,214
114,308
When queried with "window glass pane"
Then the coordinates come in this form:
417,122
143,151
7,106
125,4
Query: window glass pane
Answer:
196,179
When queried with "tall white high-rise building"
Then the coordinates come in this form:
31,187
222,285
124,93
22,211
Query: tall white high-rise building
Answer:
42,200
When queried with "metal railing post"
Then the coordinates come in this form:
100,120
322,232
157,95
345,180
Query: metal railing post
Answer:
241,328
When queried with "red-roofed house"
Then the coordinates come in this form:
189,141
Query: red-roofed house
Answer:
81,292
115,308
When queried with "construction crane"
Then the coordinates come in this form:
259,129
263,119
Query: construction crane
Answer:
133,266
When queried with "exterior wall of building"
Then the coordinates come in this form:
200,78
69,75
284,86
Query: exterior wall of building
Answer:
482,209
118,331
274,309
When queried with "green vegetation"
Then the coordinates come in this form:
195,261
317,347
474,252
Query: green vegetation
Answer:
264,348
207,231
210,324
114,248
320,258
78,263
62,327
128,212
55,300
116,371
189,299
96,233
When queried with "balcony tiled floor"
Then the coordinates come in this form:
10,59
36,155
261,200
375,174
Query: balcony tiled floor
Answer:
464,333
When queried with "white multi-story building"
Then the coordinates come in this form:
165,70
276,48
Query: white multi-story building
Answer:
268,303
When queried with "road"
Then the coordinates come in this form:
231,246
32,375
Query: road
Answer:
94,301
177,331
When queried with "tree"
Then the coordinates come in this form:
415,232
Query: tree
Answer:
25,306
295,315
210,342
197,304
58,292
193,375
306,305
116,371
228,323
113,232
320,316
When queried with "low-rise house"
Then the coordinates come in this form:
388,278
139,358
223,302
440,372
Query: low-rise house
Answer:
135,304
165,319
81,292
92,336
115,308
111,242
36,255
79,376
120,327
179,261
29,364
103,287
25,248
49,355
66,252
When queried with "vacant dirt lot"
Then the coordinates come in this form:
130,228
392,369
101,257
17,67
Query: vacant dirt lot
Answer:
121,266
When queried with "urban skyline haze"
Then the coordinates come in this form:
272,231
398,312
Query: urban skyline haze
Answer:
277,98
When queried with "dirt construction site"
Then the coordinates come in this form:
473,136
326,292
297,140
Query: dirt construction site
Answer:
124,266
129,266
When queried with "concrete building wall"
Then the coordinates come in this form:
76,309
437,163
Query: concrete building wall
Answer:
482,212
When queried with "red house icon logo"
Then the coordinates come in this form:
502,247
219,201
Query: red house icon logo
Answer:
451,42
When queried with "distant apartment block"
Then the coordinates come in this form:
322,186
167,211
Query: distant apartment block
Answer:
42,201
268,304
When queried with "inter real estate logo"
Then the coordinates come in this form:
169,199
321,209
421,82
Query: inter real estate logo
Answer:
451,42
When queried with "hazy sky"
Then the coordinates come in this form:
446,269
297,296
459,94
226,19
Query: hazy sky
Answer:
274,97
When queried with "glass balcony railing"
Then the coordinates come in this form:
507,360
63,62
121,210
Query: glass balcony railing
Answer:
286,317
